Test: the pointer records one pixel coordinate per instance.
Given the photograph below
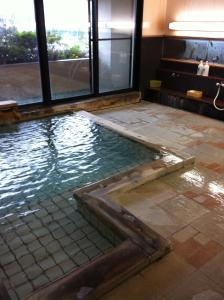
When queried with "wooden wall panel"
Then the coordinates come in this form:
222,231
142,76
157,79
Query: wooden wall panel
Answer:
151,52
154,17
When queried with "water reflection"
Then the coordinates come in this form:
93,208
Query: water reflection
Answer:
194,177
217,191
45,157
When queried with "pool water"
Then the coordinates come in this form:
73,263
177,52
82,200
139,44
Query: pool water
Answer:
49,156
43,236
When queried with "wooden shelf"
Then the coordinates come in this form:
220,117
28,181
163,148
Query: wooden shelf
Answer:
178,76
191,74
207,100
190,61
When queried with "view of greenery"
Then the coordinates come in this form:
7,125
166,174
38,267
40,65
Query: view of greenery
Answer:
21,47
58,50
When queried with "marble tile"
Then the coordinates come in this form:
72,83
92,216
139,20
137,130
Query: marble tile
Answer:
161,221
197,287
183,208
212,225
201,239
146,196
214,269
167,273
198,206
184,234
133,289
199,255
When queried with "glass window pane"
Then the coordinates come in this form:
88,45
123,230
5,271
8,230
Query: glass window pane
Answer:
19,61
114,65
116,18
67,27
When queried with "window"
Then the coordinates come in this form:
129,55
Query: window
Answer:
55,50
19,61
67,30
116,32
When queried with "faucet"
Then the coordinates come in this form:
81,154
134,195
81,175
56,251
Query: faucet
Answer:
219,85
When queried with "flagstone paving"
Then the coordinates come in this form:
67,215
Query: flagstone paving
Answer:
186,207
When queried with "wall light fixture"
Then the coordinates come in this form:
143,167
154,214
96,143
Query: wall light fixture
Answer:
205,26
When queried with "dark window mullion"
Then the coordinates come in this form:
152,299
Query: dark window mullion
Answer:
95,36
90,47
42,46
137,42
131,63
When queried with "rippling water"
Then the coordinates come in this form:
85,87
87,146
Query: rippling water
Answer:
45,157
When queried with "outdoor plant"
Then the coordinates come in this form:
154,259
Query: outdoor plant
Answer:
21,47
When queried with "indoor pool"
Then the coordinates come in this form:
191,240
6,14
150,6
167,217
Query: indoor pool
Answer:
43,236
48,156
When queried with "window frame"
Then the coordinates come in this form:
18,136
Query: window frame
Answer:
93,51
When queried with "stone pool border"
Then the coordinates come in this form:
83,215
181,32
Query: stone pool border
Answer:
139,246
40,110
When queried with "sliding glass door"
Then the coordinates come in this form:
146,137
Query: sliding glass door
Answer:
116,29
67,32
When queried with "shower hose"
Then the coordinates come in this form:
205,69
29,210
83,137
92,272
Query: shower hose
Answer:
220,85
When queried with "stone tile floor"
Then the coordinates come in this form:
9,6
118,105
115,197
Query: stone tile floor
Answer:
46,243
187,206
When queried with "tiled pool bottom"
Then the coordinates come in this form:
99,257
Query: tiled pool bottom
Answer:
41,247
42,234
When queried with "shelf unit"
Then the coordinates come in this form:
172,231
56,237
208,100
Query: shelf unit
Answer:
191,66
190,61
178,76
206,100
195,75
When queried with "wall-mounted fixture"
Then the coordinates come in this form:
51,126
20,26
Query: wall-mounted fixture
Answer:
205,26
219,85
